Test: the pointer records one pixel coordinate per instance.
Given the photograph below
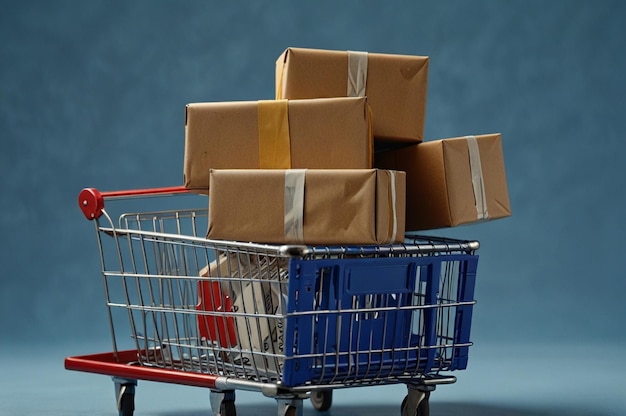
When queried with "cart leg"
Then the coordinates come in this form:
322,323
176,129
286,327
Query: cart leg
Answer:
289,406
223,402
416,402
125,395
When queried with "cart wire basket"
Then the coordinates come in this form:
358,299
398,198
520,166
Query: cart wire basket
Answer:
290,321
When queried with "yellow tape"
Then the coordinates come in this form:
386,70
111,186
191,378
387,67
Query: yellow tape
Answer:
274,143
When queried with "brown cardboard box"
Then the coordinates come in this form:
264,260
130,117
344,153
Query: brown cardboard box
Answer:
257,333
318,133
440,189
395,86
240,291
362,206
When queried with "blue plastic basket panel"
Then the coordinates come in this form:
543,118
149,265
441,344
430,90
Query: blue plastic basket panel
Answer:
369,318
463,318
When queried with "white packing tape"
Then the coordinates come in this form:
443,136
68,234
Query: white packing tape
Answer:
357,73
294,204
478,183
394,211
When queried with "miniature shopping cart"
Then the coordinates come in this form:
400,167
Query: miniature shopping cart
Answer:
292,322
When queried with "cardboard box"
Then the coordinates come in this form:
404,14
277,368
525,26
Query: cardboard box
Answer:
395,85
318,134
240,291
364,206
234,270
260,337
446,178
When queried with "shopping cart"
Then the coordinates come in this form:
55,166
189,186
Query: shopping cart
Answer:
292,322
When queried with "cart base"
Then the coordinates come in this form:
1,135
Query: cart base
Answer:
125,369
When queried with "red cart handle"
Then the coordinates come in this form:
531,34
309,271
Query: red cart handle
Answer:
91,201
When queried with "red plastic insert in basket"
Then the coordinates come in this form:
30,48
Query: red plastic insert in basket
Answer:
215,327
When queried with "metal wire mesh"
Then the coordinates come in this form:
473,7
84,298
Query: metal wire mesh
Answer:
240,309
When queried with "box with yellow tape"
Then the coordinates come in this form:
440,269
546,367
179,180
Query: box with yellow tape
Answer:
325,133
395,85
307,206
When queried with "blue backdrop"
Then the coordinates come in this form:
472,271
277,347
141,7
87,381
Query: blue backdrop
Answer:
92,93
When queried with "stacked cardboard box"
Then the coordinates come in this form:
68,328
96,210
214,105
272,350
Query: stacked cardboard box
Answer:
452,181
449,182
333,133
334,111
395,85
327,206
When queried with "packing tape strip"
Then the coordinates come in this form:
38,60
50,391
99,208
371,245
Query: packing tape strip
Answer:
480,197
273,128
357,73
294,204
394,212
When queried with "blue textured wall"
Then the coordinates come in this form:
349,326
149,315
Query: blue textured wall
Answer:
92,93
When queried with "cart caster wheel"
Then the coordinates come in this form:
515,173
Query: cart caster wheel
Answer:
291,411
227,408
125,395
126,401
290,406
322,399
223,403
423,408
